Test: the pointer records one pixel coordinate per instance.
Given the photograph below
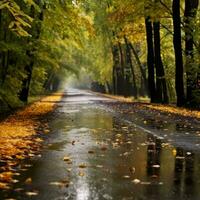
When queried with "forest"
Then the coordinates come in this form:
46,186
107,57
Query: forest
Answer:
99,99
147,48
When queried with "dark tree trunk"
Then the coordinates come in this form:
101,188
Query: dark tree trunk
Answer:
36,29
114,80
191,7
122,62
161,86
5,65
150,59
1,57
179,82
26,82
131,67
5,55
142,70
120,81
120,72
115,53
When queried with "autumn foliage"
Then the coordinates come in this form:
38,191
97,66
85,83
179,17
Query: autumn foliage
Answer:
19,137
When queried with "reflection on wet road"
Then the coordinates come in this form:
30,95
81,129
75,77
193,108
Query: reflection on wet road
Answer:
93,154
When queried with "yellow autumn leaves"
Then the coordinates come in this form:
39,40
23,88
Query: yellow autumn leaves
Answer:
18,135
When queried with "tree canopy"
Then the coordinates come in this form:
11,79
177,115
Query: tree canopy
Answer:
132,48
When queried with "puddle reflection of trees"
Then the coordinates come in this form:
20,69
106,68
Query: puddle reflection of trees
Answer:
184,182
153,156
185,173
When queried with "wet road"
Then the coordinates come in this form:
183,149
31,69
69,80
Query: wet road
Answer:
93,153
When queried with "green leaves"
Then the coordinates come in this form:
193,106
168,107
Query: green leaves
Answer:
21,20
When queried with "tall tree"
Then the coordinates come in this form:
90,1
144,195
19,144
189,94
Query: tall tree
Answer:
36,30
177,41
191,7
161,86
150,59
131,67
141,67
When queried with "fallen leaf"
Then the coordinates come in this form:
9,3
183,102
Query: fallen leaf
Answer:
6,176
119,135
67,158
60,183
82,165
132,170
145,183
18,189
46,131
4,186
10,199
14,181
126,176
136,181
28,181
174,152
99,166
91,152
33,193
103,148
81,174
156,166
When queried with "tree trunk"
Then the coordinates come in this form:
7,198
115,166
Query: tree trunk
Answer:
191,7
142,70
161,86
36,29
4,62
1,56
131,67
114,80
150,59
26,82
120,72
115,54
179,81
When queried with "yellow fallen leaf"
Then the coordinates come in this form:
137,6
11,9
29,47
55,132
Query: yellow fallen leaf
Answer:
67,158
4,186
174,152
82,165
6,176
28,181
81,174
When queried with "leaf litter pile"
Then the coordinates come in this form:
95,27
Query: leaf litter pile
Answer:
19,139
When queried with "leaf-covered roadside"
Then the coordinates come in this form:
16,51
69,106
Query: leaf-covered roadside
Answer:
144,105
18,136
